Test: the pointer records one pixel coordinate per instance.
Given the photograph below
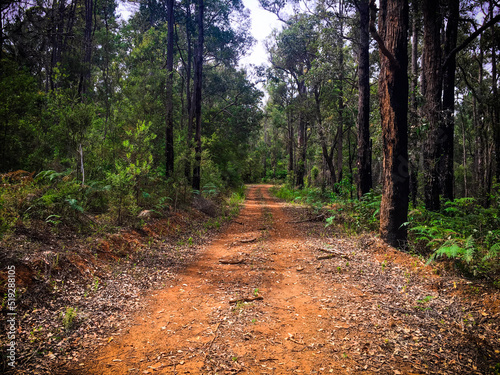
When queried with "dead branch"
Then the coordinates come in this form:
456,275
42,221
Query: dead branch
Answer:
231,261
248,240
246,299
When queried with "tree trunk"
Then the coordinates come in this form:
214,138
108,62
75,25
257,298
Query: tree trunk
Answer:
169,107
189,96
340,102
393,97
448,122
290,142
198,76
87,50
496,105
414,156
302,141
364,161
432,106
327,156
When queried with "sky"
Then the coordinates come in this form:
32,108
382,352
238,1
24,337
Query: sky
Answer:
263,23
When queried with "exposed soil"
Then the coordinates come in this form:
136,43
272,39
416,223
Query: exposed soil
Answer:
271,295
277,293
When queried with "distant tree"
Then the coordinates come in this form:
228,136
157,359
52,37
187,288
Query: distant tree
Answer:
198,77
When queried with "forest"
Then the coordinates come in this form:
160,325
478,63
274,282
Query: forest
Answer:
128,142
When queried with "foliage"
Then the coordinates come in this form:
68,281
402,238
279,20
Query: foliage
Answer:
463,231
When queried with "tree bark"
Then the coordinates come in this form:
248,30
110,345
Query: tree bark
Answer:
432,106
393,97
415,156
87,50
364,160
197,95
327,156
169,107
446,170
302,141
189,96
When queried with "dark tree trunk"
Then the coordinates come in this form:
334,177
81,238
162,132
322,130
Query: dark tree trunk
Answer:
496,105
414,156
189,95
447,131
432,107
87,50
169,107
393,96
198,76
364,161
340,100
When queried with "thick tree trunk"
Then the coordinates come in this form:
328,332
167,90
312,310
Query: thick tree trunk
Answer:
197,96
364,160
393,96
414,156
446,170
169,106
432,107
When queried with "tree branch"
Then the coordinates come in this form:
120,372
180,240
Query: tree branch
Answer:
373,31
471,37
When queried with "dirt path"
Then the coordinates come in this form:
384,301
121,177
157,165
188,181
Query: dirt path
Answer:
258,301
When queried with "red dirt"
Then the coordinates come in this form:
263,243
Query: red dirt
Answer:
349,314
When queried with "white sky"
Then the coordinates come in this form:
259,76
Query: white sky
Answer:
263,23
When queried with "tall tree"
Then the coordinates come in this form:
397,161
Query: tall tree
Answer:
169,104
84,85
198,77
432,74
364,160
392,39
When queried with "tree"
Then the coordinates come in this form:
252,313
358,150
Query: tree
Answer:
293,54
169,104
198,76
364,161
392,39
432,75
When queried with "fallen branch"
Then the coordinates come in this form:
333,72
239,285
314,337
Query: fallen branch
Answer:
331,254
246,299
232,261
212,341
248,240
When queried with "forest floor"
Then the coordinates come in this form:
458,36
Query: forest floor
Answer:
277,293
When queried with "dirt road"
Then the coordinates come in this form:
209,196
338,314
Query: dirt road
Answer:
259,301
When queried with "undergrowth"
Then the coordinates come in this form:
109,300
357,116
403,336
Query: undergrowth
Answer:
464,233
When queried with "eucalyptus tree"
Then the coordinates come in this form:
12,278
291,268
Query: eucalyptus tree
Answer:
294,50
392,40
